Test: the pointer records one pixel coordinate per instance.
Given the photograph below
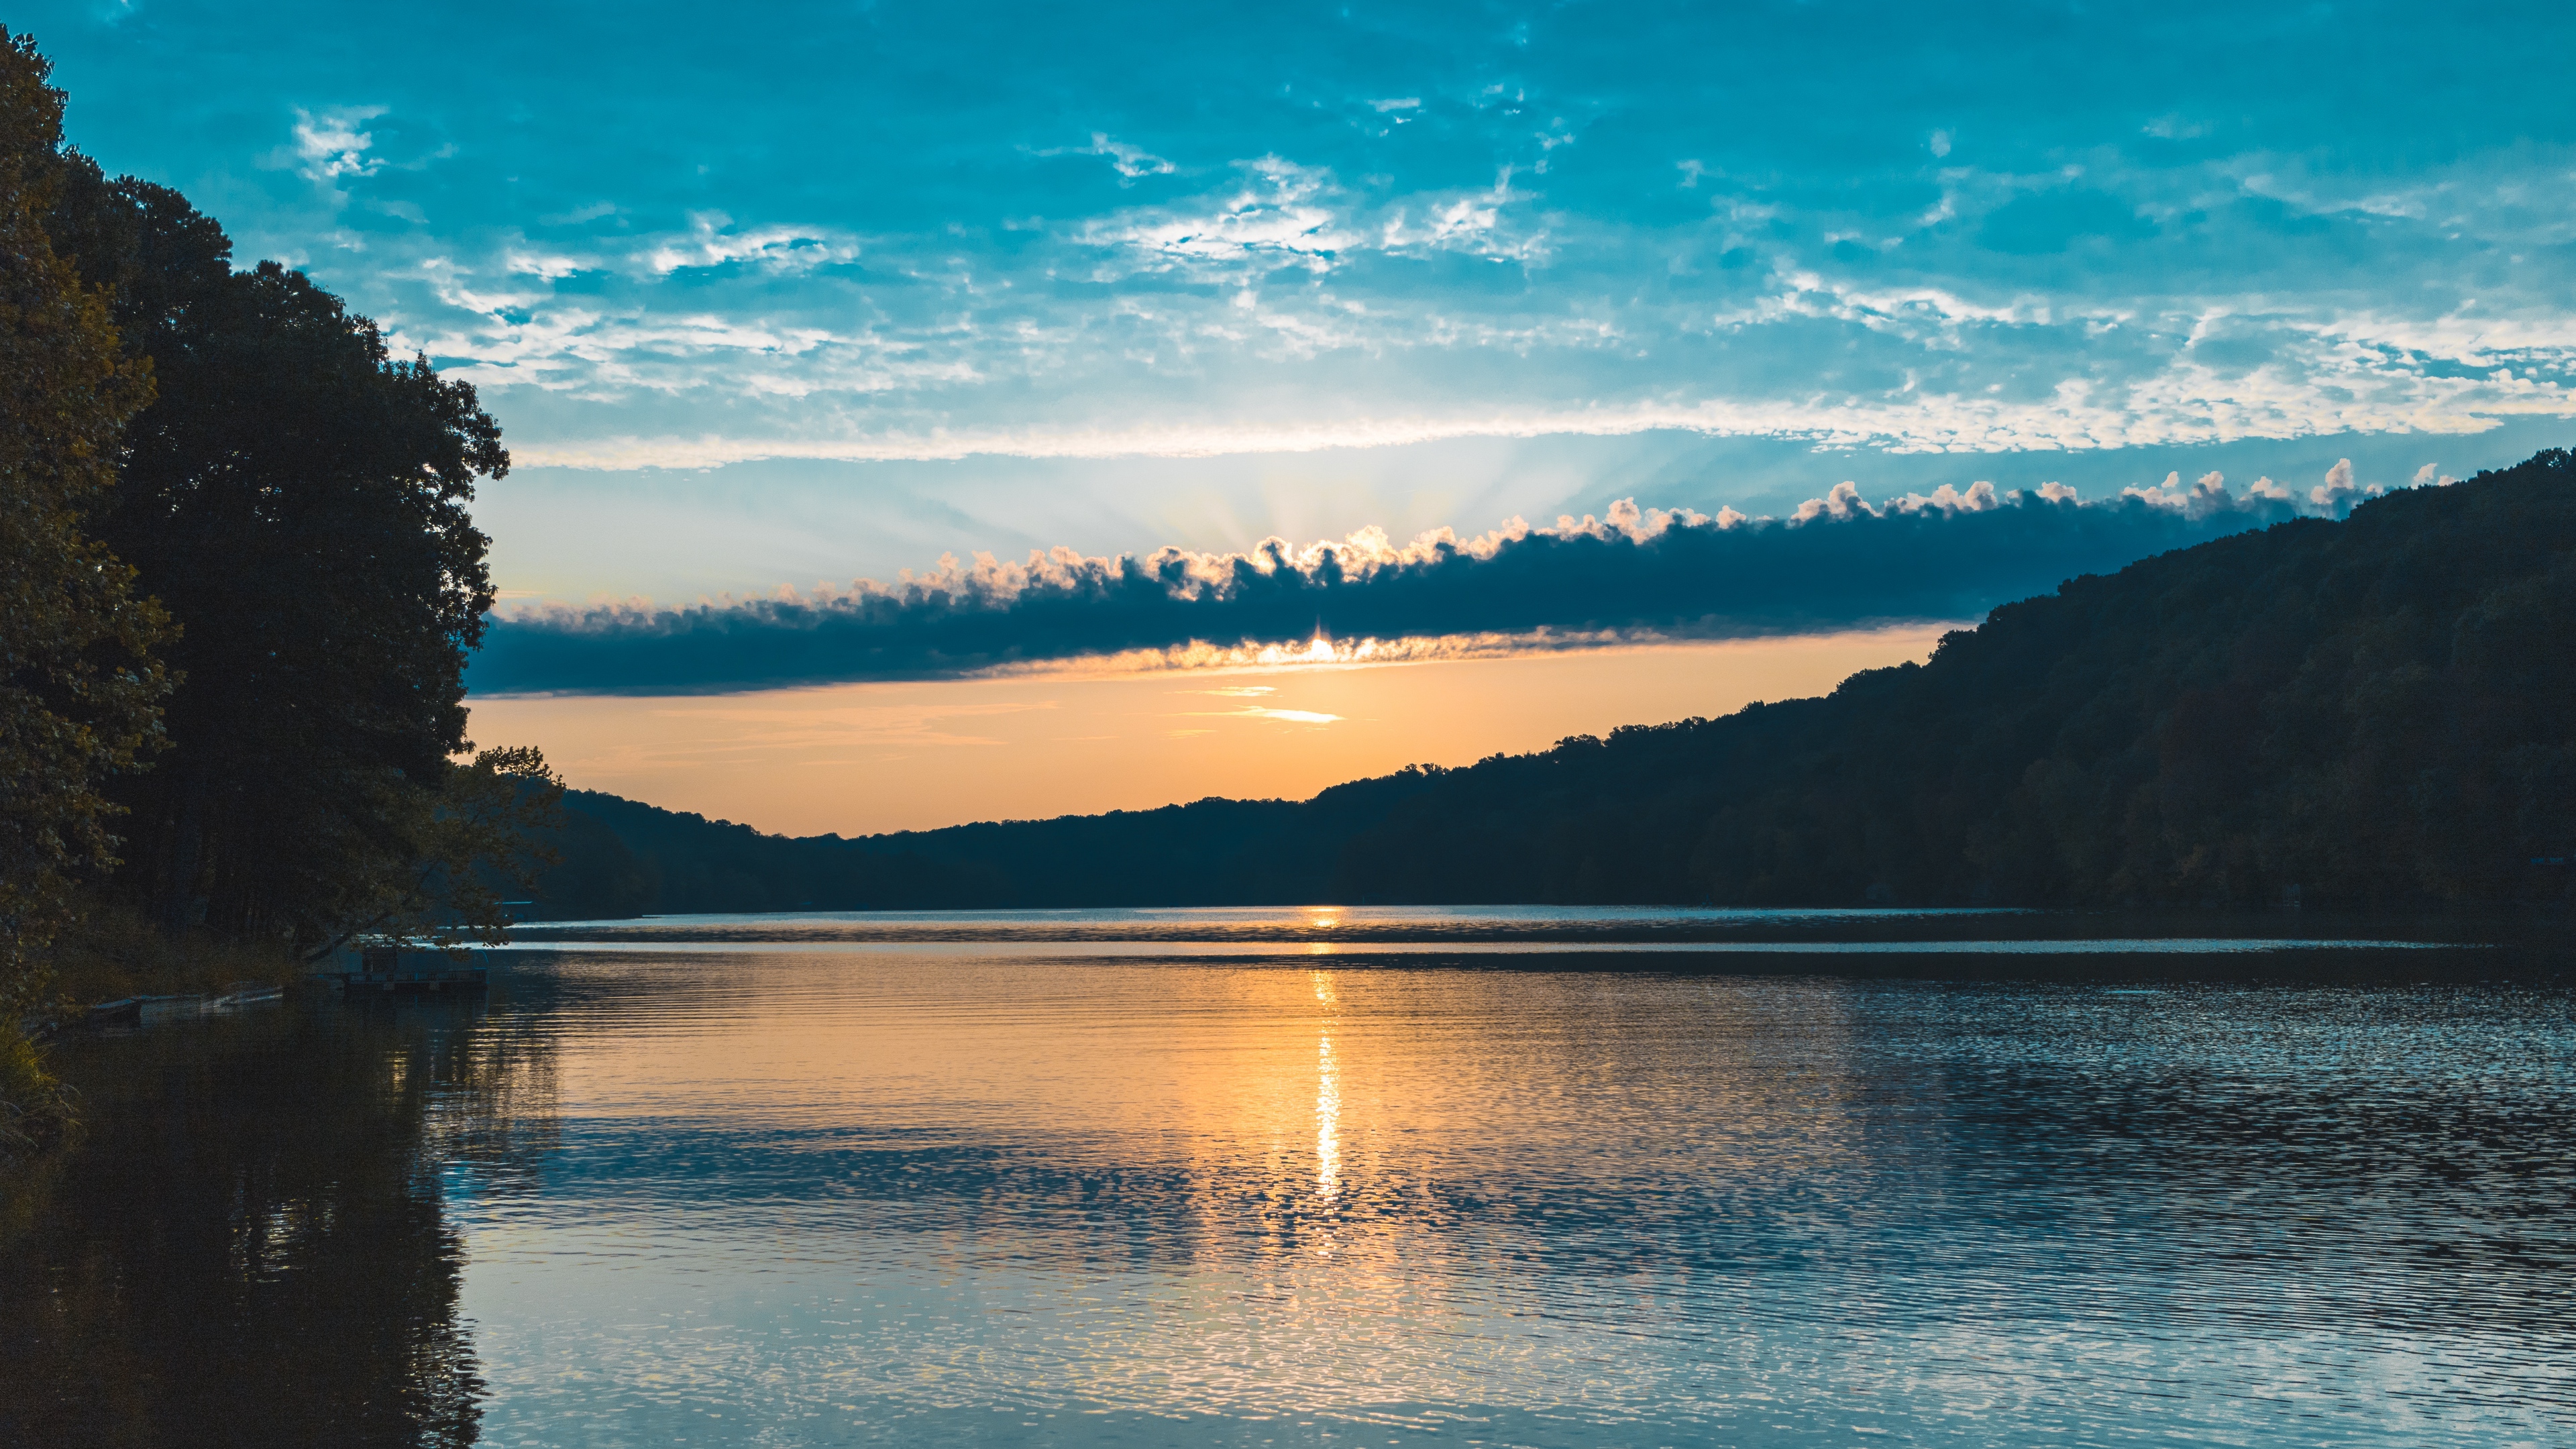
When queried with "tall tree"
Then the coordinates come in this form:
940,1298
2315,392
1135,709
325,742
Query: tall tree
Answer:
296,495
78,686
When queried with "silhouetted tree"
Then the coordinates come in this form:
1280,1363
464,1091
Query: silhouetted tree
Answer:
450,858
78,685
296,497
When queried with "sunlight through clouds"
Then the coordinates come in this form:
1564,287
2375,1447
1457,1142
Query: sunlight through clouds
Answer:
1633,575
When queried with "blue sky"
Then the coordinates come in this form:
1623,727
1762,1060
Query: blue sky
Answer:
776,295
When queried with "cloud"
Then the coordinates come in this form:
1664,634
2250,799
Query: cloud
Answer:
2217,244
867,384
1130,162
1837,562
2337,487
714,241
329,145
1285,716
1285,214
2184,404
1281,211
1284,302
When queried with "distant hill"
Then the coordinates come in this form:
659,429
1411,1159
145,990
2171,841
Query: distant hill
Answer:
2375,711
622,858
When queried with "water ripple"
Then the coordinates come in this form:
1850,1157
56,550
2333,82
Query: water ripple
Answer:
858,1191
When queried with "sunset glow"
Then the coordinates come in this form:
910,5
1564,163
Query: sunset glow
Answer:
1392,724
915,755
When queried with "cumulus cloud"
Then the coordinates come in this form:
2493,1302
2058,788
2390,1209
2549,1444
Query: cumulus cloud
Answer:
329,145
1634,574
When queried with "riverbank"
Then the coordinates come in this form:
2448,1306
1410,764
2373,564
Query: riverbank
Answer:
112,955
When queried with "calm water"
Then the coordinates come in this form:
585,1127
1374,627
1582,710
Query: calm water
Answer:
1554,1178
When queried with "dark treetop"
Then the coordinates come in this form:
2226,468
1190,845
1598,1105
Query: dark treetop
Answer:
296,497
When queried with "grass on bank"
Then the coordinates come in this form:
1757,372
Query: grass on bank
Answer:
112,953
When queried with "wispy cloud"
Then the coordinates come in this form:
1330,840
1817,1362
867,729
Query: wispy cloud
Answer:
1311,307
2186,403
1287,268
1280,211
714,241
1284,716
1839,561
1131,162
1326,236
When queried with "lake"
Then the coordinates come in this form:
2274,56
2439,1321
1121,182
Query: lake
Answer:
1370,1177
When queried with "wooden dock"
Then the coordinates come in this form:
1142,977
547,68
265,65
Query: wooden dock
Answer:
378,969
453,980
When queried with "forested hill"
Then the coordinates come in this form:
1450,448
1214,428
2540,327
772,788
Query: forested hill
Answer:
623,858
2375,711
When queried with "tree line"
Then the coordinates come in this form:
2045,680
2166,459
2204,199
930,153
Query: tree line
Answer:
238,585
2374,712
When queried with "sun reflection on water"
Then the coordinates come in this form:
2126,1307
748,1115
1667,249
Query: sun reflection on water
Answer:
896,1190
1328,1097
1328,1120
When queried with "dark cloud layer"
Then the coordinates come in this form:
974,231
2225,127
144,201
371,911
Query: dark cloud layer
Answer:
1838,563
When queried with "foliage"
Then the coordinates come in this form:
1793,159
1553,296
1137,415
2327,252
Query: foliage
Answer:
1211,852
114,951
2367,712
79,688
597,876
2380,711
34,1111
296,496
457,855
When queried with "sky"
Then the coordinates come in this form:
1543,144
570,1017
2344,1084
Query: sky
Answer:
856,352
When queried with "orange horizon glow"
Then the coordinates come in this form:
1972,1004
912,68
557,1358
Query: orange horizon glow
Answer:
867,758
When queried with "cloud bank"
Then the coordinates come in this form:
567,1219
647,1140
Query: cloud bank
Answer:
1837,562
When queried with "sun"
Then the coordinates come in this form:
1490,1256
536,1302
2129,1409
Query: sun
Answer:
1321,651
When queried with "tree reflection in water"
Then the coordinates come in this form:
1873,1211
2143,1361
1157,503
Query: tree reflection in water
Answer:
248,1248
